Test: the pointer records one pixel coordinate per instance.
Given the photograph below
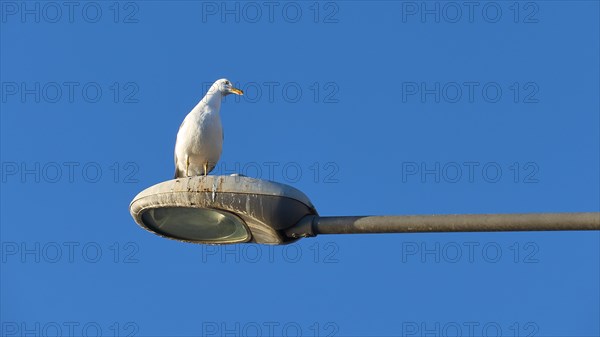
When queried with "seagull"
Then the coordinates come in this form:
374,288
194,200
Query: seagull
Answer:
200,137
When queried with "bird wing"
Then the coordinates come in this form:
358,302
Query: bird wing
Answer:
177,172
176,175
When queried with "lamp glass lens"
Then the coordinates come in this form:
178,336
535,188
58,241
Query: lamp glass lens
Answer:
196,224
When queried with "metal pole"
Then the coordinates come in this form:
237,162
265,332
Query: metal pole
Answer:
313,225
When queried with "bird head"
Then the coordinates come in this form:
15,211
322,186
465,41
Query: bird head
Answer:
225,87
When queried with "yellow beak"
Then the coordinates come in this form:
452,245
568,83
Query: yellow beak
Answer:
236,91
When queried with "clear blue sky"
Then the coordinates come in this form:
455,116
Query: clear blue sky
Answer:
367,107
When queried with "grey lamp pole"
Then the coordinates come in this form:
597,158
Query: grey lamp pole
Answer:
314,225
236,209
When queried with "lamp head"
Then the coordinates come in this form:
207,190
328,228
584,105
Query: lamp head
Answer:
221,210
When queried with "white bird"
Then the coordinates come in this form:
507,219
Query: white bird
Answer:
200,137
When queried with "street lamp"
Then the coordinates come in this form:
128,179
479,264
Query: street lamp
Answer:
238,209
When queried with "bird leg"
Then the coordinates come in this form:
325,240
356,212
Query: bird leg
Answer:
187,165
206,169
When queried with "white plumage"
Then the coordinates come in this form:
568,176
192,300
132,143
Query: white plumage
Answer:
200,137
